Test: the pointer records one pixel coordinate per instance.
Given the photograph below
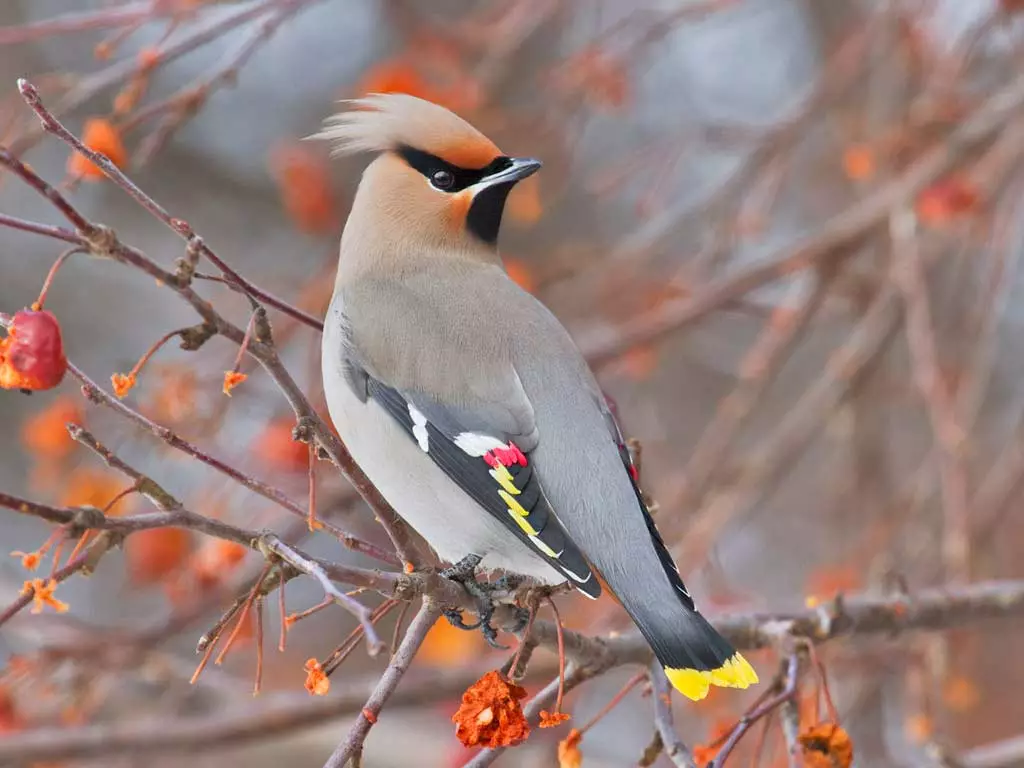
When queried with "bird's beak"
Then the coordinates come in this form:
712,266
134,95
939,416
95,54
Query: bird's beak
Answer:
520,168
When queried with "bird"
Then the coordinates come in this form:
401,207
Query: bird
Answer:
466,402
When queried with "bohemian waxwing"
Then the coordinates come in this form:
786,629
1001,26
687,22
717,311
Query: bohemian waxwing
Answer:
465,401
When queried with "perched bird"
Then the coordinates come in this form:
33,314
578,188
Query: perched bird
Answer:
466,402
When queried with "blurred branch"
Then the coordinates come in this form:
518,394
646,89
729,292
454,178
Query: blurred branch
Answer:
854,616
189,100
760,474
909,274
87,87
837,238
83,21
999,754
757,372
844,68
271,717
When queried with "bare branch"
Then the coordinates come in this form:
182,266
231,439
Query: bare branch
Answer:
786,687
999,754
661,698
94,393
414,636
856,617
909,274
273,716
82,21
272,544
104,242
831,243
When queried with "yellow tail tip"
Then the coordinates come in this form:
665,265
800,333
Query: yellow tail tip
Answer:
695,683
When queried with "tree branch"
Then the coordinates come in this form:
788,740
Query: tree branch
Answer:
94,393
396,669
830,243
858,617
661,697
104,242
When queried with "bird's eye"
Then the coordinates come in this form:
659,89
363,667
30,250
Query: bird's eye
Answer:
442,179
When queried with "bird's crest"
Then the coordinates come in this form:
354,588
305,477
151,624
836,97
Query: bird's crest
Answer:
386,122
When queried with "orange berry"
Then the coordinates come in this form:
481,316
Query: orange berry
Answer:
304,185
99,135
215,559
946,200
859,162
122,383
276,448
45,434
317,683
155,553
521,274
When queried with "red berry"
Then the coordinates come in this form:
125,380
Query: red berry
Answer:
32,355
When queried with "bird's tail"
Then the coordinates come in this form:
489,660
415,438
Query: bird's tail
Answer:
694,653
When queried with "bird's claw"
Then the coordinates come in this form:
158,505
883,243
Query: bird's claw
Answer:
491,635
462,570
510,582
464,573
454,616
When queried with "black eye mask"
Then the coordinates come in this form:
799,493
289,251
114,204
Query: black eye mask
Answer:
484,217
429,164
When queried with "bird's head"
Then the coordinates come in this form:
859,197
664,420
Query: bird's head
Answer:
437,180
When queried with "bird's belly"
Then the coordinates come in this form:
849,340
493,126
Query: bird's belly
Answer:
440,511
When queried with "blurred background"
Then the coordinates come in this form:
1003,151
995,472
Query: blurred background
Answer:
785,232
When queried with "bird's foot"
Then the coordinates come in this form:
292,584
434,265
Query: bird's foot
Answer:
464,572
510,582
454,616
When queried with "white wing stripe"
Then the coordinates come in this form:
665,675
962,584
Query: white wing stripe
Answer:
419,427
476,444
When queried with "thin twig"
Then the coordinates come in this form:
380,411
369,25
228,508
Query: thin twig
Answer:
54,127
95,394
271,543
908,273
661,696
787,693
104,242
400,662
85,562
830,243
798,427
